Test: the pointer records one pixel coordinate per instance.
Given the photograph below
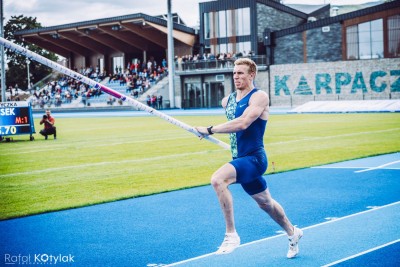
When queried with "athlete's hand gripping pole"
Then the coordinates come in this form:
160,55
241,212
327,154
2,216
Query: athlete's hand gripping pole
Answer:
136,104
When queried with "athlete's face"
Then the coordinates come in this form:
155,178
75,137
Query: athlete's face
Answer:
242,78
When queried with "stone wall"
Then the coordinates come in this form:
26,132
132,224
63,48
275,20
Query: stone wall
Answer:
274,20
295,84
322,44
289,49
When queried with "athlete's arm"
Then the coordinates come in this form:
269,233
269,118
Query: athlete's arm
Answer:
258,108
258,104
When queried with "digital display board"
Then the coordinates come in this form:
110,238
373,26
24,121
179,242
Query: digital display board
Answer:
16,118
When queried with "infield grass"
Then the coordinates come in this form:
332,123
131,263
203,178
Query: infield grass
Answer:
96,160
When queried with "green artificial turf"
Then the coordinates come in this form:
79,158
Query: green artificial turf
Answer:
96,160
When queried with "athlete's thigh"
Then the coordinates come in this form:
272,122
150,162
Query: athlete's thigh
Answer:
226,173
263,197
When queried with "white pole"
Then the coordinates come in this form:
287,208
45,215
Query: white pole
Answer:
29,78
136,104
3,57
171,63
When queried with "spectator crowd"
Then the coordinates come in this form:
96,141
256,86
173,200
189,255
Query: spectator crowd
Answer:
136,76
209,60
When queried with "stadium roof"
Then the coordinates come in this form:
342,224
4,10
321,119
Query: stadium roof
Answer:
133,33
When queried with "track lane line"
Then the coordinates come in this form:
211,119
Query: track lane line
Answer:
280,235
361,253
378,167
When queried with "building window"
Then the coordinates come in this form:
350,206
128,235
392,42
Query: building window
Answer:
222,24
394,36
242,21
365,40
206,25
227,23
210,25
352,42
244,47
230,25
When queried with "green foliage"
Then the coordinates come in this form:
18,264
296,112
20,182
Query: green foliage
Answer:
17,66
95,160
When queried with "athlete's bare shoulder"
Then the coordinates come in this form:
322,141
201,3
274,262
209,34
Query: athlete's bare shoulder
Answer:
261,99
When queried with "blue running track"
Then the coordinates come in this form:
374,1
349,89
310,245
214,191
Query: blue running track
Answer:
350,213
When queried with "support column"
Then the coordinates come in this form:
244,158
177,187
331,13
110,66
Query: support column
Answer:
171,64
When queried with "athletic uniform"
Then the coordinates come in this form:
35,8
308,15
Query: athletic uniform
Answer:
247,147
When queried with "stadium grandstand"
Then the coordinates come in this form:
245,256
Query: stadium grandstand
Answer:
304,53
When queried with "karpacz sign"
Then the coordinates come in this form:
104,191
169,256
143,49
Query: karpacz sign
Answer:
324,82
16,118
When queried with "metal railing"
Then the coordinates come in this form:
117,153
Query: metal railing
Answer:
215,63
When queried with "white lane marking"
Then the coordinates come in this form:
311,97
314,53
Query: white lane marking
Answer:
361,253
378,167
276,236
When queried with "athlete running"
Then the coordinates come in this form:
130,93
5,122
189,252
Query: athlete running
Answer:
247,110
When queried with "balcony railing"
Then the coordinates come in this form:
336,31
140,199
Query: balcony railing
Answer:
216,64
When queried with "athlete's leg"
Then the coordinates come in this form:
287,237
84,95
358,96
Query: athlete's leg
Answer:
274,210
220,180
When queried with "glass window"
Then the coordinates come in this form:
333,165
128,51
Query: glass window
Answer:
246,21
365,40
207,25
237,19
377,38
230,48
394,36
352,42
212,24
222,23
223,48
213,49
244,47
230,22
242,21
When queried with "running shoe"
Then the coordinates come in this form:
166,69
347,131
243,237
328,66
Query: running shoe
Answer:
294,243
230,243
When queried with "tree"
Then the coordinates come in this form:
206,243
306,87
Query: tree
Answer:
17,66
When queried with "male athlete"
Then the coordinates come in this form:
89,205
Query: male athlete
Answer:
247,110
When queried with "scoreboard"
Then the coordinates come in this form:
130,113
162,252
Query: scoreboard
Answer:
16,118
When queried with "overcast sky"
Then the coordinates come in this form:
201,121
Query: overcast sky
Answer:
57,12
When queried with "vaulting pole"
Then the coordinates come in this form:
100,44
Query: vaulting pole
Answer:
136,104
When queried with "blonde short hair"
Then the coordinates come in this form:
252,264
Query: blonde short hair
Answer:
248,62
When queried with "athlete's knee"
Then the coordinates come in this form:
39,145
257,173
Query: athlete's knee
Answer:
217,181
223,177
266,204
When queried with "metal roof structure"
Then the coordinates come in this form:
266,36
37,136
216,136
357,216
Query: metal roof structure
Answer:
129,34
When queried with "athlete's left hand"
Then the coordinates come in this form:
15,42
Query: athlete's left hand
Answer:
202,130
